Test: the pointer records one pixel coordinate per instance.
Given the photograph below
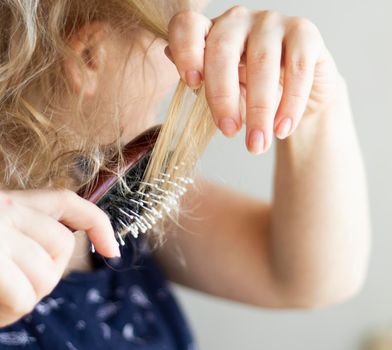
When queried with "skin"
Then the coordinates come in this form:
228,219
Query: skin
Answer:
308,247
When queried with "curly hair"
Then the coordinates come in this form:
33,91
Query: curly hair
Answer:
37,148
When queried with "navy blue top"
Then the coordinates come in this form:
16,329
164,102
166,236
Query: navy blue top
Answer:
121,304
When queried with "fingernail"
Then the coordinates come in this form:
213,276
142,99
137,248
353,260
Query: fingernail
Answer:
256,141
116,251
193,78
228,126
284,128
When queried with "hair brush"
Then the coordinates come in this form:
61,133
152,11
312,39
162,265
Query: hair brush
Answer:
131,210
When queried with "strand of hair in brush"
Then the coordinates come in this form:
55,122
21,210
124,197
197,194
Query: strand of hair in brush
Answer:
136,211
167,200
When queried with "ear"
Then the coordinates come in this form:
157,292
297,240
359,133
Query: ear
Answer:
84,68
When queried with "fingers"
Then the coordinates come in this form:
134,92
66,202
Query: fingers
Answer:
302,49
224,47
187,32
35,263
17,298
28,273
34,252
72,210
189,50
252,51
56,239
264,51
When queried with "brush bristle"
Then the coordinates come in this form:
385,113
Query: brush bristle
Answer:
134,211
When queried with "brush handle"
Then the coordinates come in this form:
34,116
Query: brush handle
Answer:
132,153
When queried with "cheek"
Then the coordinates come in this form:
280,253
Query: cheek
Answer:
133,125
140,98
137,114
143,85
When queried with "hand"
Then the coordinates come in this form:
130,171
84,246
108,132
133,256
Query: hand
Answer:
279,65
35,244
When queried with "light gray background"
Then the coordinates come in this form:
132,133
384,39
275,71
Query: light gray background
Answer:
358,33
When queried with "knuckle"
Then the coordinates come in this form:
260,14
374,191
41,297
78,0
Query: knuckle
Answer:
67,196
238,10
302,24
222,44
188,54
219,99
297,96
259,109
267,18
220,103
270,14
261,58
299,66
183,17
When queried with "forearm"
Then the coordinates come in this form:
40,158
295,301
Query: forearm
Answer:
319,233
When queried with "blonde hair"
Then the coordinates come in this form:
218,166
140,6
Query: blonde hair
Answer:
36,150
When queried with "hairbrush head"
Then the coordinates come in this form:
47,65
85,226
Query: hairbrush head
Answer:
131,210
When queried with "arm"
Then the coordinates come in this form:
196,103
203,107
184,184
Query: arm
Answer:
308,248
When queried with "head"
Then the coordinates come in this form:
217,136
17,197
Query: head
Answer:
116,80
82,78
122,69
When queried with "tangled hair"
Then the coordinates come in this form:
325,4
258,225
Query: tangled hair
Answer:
39,150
